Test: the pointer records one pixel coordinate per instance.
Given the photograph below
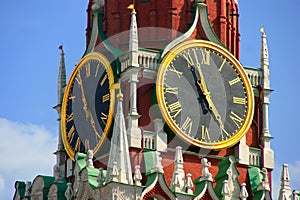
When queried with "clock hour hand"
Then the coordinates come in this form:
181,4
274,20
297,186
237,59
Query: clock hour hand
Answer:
202,103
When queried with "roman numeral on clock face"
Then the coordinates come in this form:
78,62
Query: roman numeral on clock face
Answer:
187,126
235,118
171,68
103,117
234,81
188,58
239,100
105,97
171,90
204,133
175,108
88,70
103,80
205,56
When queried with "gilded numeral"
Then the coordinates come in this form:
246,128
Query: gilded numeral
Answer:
175,108
171,90
239,100
103,80
235,118
70,117
97,69
205,134
188,58
187,126
105,97
77,145
205,57
103,117
72,97
222,65
88,70
173,69
223,131
71,133
234,81
78,79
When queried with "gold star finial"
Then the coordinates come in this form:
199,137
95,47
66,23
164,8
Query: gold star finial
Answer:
131,6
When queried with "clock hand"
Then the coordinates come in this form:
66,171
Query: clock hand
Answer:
202,84
200,99
88,114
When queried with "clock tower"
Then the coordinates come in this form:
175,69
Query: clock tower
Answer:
159,107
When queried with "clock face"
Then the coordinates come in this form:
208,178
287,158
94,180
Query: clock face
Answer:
88,105
204,95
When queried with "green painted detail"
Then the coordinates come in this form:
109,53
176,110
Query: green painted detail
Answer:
199,186
48,180
80,160
149,157
255,178
92,177
61,186
258,195
20,189
150,179
222,174
252,69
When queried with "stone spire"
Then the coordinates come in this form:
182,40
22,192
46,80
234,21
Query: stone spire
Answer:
119,152
266,136
178,178
285,188
134,132
61,76
264,59
133,39
60,152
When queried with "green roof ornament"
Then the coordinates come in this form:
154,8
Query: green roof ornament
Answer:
227,171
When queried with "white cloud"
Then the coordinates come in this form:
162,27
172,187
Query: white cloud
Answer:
25,151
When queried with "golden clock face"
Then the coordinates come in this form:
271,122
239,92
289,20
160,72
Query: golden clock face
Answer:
88,104
204,95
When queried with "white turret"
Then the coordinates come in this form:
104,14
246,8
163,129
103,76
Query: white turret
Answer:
178,178
119,166
266,136
134,132
285,188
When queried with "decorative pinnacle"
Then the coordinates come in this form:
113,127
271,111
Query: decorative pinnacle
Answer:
131,6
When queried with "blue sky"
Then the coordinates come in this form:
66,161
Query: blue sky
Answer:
31,33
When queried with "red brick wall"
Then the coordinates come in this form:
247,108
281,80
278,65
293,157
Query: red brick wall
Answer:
172,14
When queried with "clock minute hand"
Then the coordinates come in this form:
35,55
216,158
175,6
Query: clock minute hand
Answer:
85,107
211,105
88,114
203,87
